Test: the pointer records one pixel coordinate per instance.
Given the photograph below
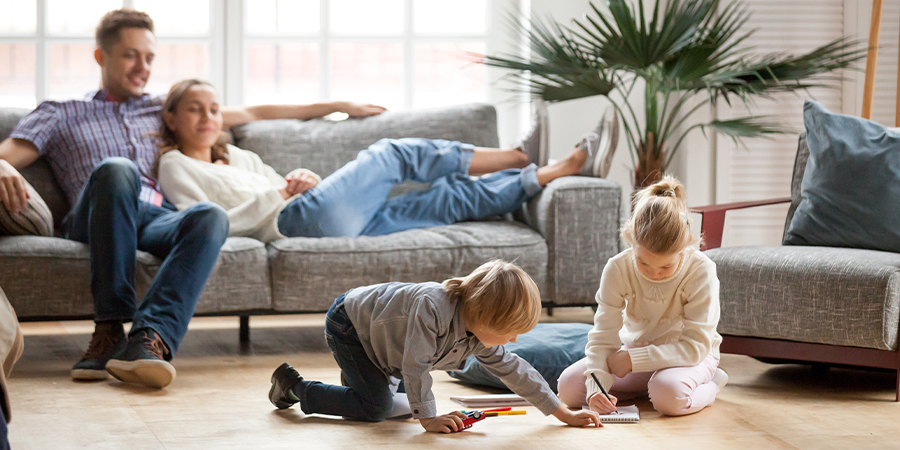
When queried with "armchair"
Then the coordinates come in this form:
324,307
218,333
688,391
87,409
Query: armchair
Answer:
813,304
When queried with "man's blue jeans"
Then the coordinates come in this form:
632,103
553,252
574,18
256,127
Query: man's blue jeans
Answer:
353,200
109,217
367,395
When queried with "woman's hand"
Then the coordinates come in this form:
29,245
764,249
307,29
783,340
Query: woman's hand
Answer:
580,418
619,363
447,423
300,181
598,402
360,110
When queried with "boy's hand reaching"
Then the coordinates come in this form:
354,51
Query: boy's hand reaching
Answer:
446,423
580,418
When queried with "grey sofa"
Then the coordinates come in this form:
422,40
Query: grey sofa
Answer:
563,237
799,303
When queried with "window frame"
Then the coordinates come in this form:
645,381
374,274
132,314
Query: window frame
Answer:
228,44
42,39
408,38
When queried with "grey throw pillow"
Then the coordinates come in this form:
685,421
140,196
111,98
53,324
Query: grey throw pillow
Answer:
35,219
850,193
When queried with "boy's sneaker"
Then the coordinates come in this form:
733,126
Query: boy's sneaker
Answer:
600,145
536,143
143,361
720,379
284,379
107,340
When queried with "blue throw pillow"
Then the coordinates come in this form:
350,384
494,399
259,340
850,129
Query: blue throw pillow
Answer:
850,193
549,348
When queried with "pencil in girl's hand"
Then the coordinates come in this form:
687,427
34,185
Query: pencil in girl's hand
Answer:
600,386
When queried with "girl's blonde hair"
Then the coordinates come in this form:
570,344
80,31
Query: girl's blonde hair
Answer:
499,296
168,141
661,221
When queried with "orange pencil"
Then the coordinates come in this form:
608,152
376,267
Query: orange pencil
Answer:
517,412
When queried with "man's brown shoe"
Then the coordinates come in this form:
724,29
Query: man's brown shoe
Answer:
108,339
143,361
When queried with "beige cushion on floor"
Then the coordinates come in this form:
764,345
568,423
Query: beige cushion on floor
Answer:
35,219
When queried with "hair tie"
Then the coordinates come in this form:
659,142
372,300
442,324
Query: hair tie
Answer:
686,218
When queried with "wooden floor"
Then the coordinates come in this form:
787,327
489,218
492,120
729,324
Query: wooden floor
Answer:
218,401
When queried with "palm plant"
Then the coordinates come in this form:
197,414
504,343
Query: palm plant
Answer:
689,55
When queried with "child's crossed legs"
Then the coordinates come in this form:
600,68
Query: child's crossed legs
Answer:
675,391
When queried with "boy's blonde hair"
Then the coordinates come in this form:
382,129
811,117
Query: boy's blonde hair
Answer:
499,296
661,221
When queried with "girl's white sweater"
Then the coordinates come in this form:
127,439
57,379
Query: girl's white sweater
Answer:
665,323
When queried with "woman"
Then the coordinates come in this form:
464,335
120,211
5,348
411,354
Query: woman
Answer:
196,165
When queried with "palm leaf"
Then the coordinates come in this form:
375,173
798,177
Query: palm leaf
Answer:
681,48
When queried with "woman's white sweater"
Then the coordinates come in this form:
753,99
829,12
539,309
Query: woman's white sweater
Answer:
246,187
667,323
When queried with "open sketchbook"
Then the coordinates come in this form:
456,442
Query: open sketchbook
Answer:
623,414
490,401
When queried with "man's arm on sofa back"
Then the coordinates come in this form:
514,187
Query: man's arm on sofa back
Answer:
579,217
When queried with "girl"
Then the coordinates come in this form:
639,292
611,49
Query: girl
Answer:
669,294
389,332
196,165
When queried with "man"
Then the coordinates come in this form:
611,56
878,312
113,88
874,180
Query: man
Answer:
102,152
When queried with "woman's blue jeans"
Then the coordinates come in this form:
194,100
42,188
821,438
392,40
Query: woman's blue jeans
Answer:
353,201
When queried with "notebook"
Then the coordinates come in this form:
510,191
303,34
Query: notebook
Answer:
624,414
490,401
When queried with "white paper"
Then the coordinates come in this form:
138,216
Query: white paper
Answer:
401,407
490,400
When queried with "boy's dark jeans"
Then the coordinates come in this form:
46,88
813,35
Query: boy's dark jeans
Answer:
367,395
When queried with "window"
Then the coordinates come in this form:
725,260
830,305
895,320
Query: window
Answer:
398,53
47,46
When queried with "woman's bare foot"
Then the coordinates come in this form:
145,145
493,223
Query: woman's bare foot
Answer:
570,165
490,160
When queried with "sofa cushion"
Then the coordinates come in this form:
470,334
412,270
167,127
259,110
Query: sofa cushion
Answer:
324,146
239,282
309,273
850,191
60,266
34,219
820,295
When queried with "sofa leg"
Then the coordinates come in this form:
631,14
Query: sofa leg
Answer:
245,329
550,310
897,398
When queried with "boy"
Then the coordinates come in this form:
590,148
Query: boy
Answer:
383,333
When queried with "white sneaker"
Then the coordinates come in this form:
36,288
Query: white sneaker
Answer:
536,142
720,379
600,145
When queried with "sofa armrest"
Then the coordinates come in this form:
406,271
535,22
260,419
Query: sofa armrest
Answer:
712,219
579,218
